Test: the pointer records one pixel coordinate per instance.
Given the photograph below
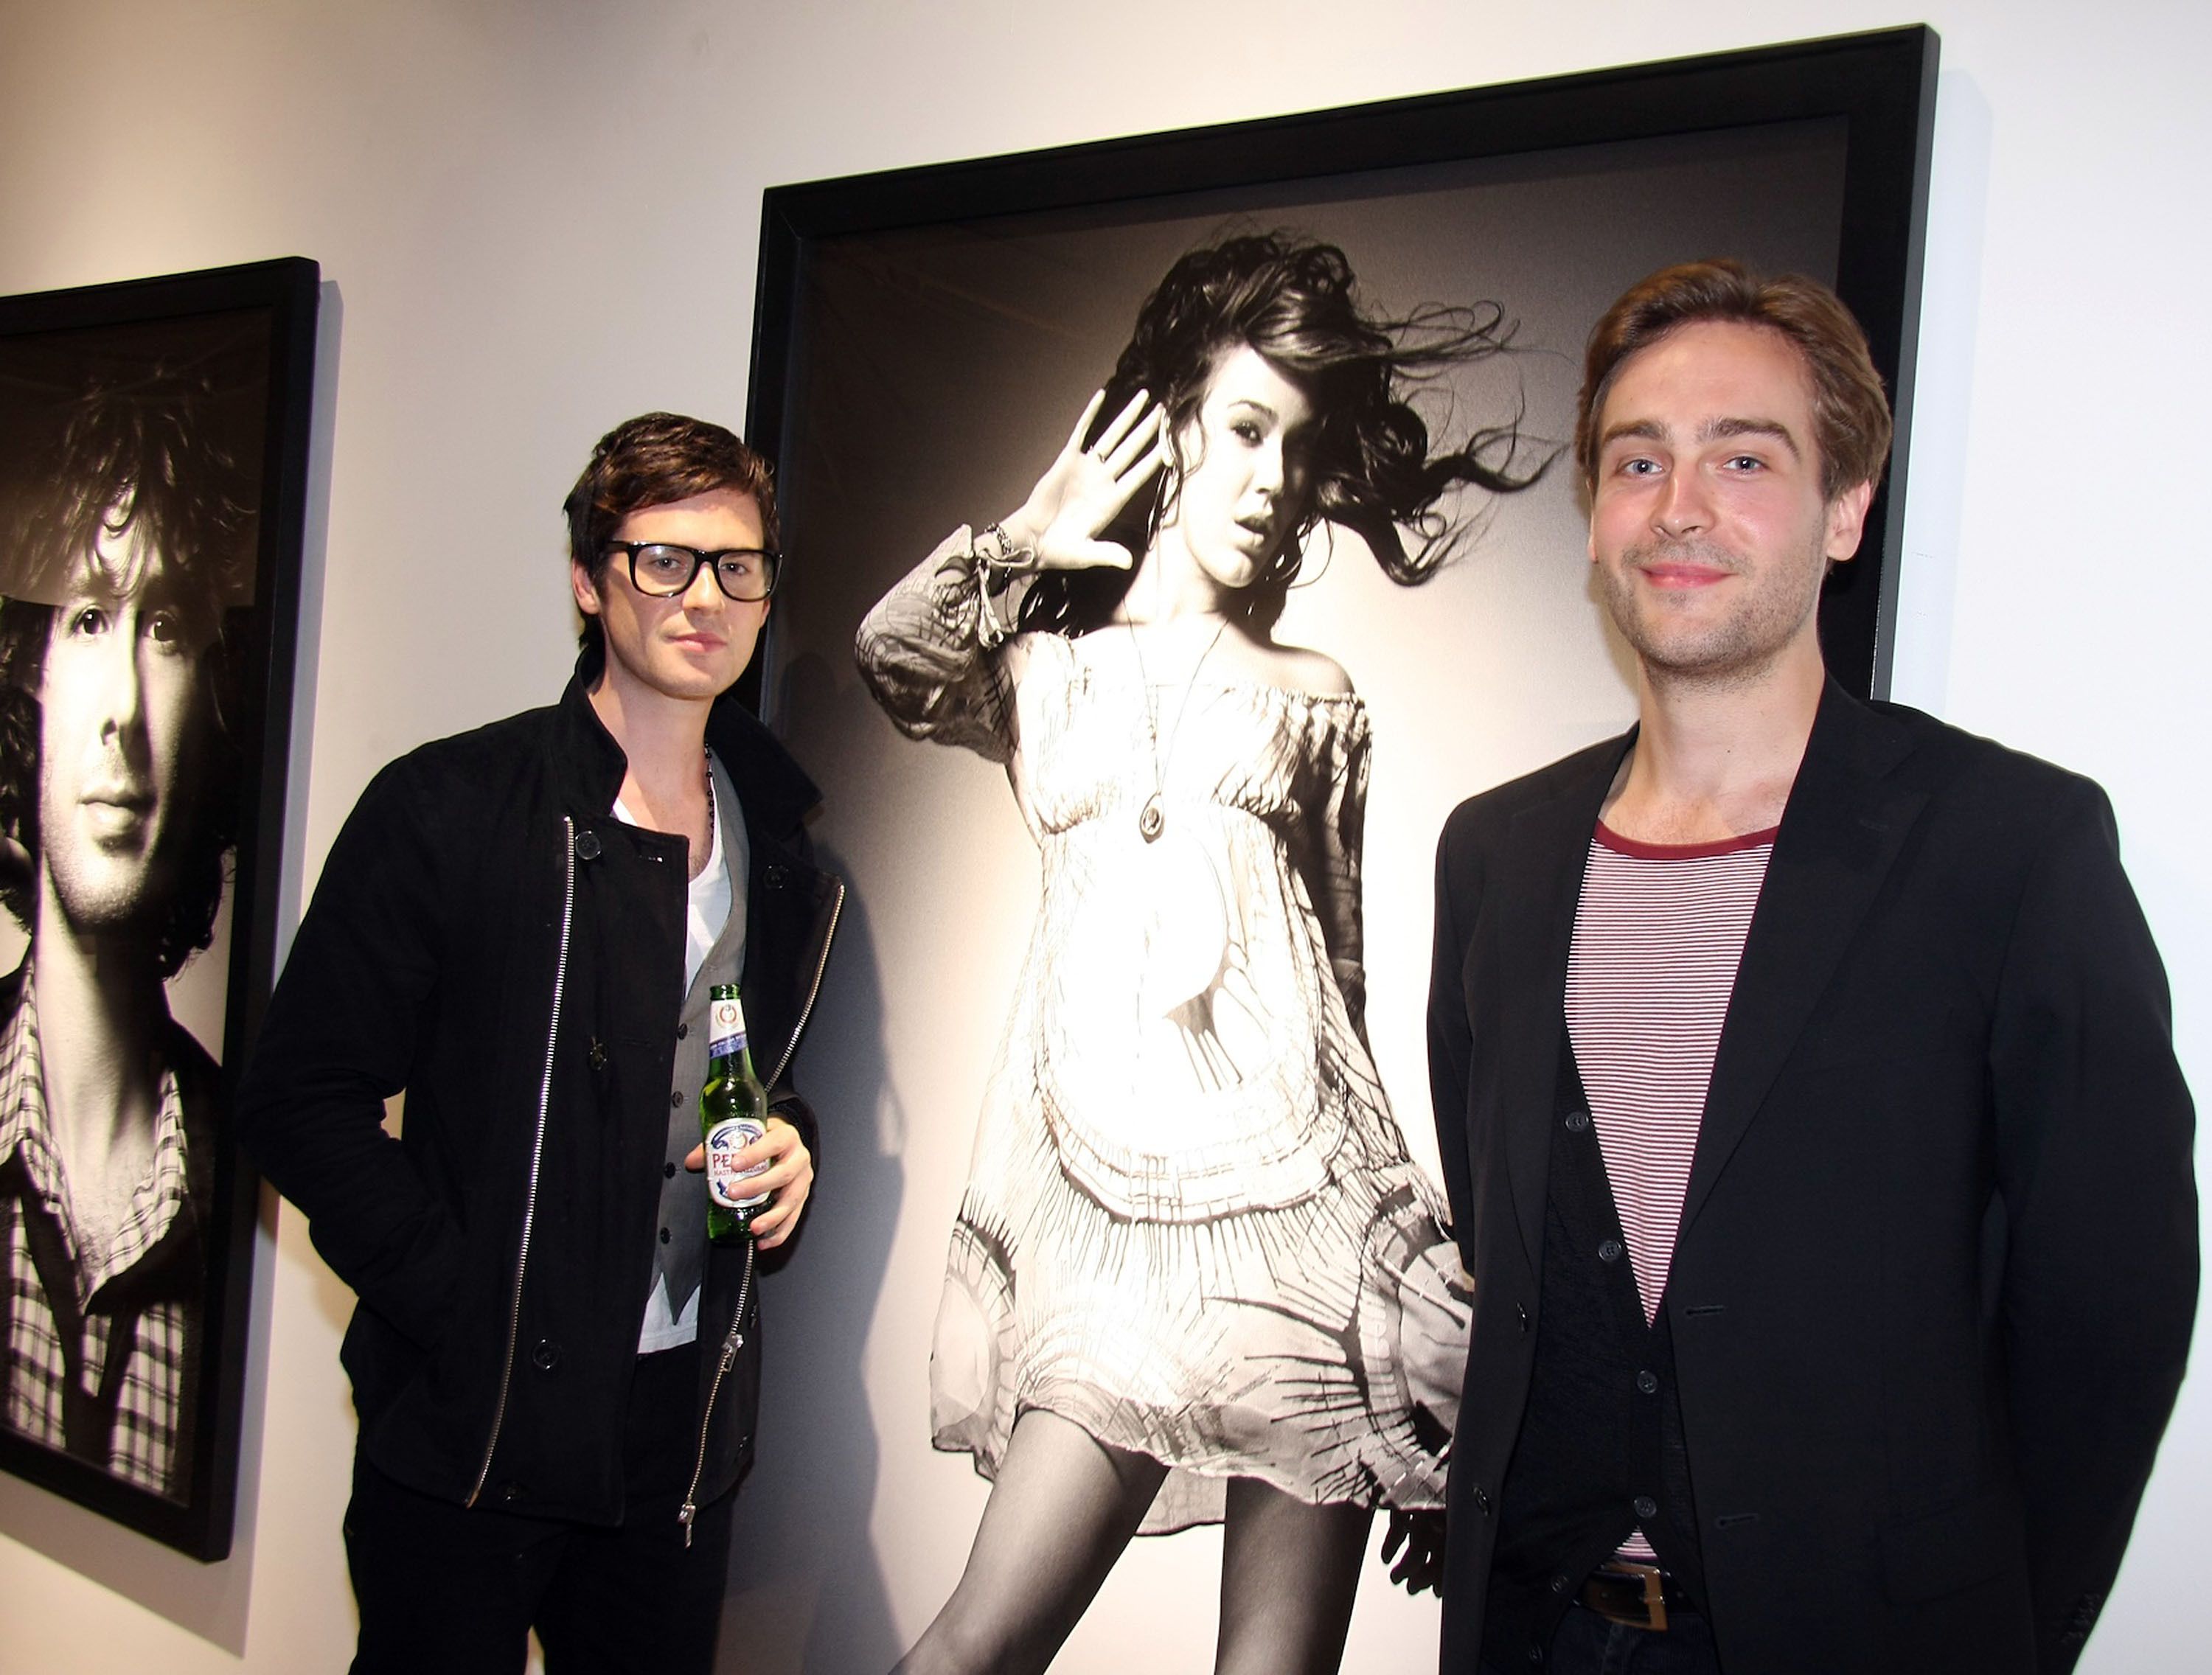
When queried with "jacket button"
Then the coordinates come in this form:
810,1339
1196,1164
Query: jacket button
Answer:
1521,1314
597,1053
1646,1507
510,1490
544,1356
587,846
1482,1502
664,1235
668,1171
1609,1251
776,877
1560,1584
1647,1382
1535,1653
682,1030
1577,1121
676,1099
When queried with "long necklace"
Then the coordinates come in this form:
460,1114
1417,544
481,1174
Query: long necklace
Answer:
1151,819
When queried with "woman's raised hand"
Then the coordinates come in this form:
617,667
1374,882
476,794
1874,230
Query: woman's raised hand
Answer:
1083,489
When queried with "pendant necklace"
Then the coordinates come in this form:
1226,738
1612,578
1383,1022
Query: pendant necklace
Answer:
1151,819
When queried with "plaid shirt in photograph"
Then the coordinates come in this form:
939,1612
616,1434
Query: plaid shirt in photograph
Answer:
101,1347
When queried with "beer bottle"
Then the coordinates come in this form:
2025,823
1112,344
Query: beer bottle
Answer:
733,1115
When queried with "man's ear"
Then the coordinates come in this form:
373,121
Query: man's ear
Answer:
1847,521
586,589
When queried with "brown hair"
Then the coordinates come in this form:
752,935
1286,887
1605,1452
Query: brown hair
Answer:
1850,413
651,460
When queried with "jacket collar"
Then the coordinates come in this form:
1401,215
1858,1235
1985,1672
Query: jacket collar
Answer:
773,789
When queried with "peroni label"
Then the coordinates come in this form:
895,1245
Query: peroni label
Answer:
725,1140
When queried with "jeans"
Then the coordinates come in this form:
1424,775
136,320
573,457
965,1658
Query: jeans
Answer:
449,1590
1588,1644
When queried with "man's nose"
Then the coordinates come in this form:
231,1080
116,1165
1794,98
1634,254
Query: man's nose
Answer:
121,686
705,593
1683,508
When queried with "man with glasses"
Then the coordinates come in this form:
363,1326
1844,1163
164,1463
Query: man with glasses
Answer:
557,1374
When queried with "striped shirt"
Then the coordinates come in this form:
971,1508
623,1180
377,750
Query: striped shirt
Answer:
1658,936
1659,933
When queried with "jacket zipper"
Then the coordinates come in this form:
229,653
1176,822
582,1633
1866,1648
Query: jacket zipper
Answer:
821,965
537,1154
735,1341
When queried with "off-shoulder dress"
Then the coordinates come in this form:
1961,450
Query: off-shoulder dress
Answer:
1191,1226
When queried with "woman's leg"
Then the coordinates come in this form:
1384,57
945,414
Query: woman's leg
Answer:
1288,1574
1062,1509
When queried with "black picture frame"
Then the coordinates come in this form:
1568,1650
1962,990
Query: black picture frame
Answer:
1881,84
925,337
246,336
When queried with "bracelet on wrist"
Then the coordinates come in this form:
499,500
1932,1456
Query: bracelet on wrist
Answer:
1009,559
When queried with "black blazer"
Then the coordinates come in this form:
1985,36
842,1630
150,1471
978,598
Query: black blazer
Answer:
1933,1289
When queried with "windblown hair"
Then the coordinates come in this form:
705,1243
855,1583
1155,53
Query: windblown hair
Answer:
652,460
1369,467
143,456
1851,413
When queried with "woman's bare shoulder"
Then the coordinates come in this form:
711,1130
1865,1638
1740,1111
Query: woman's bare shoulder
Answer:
1294,668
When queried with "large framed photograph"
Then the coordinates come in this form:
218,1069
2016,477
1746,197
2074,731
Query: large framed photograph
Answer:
153,484
1127,1138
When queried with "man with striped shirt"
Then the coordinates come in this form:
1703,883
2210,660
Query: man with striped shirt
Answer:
1805,1090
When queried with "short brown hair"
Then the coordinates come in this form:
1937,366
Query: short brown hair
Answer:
1851,413
651,460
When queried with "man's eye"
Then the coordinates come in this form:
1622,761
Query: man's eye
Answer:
1746,462
163,628
739,566
88,621
663,562
1638,466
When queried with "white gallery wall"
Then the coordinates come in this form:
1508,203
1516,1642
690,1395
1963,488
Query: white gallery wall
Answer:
537,216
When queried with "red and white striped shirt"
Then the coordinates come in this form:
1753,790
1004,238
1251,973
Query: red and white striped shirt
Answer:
1658,936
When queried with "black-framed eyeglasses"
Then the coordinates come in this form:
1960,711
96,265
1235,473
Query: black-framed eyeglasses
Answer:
664,570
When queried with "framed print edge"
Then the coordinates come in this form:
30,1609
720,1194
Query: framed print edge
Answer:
287,289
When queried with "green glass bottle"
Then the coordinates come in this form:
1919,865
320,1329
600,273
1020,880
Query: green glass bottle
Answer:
733,1115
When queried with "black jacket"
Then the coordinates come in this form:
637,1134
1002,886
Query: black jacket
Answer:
488,939
1936,1271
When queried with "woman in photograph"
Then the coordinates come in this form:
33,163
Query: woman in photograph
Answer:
1196,1275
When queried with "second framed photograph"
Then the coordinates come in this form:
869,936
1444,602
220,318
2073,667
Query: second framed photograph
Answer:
1141,1022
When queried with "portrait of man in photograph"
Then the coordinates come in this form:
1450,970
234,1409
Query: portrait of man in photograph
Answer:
121,549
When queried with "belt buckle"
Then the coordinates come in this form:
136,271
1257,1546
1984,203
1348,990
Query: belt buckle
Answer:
1654,1599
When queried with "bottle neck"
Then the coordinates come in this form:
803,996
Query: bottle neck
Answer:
737,1065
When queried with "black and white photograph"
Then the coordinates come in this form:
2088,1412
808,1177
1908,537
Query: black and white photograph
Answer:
1226,537
141,524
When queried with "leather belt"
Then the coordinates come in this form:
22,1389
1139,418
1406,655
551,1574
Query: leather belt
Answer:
1639,1595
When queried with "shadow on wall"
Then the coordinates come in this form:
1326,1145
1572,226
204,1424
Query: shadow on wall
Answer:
806,1590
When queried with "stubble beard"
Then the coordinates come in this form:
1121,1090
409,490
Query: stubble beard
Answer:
1737,650
101,901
